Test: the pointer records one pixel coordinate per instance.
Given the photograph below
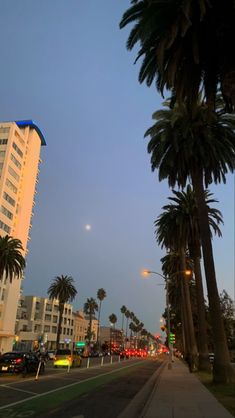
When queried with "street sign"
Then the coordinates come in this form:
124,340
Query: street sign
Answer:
80,344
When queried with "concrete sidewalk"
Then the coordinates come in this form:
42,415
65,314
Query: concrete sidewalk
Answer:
177,393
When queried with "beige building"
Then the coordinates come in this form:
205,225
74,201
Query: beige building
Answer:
20,144
81,324
37,322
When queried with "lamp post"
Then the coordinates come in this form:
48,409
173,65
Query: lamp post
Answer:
146,273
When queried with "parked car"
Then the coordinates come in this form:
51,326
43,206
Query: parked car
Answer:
20,362
66,357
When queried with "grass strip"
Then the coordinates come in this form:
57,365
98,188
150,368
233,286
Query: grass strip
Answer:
225,394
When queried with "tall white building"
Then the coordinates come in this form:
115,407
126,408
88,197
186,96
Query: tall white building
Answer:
20,144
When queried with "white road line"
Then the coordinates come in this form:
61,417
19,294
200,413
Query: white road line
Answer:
65,387
19,390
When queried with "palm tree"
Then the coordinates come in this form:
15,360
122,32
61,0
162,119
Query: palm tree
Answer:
123,311
127,315
101,294
112,320
185,214
198,145
185,44
90,308
63,289
12,262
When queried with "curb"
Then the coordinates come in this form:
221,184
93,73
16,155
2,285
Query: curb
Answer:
142,399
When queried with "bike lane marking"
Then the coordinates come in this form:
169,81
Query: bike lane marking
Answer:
65,387
19,390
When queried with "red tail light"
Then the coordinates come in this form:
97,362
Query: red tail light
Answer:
19,360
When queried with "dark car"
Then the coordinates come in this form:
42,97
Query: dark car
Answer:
20,362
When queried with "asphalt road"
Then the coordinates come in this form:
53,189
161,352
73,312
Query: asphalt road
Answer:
92,392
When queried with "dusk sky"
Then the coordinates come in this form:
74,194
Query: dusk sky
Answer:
64,64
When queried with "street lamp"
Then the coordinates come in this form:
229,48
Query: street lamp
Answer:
146,273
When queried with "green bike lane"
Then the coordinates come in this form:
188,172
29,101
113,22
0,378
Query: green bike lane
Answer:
37,398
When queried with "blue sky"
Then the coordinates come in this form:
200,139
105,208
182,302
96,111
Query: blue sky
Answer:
64,64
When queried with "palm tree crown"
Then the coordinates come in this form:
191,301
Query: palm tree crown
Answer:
12,262
184,44
184,141
63,289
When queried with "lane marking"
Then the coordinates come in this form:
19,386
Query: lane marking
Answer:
66,386
19,390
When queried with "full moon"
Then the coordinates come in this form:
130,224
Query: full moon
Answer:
87,227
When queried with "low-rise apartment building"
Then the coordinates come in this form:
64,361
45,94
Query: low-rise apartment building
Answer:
37,321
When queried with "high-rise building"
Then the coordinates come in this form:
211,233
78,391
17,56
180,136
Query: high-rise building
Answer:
20,144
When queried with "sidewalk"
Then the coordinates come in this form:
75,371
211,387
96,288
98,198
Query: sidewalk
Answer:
179,394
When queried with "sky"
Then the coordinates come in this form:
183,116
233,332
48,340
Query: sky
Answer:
64,64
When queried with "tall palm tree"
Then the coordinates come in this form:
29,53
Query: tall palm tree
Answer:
63,289
90,308
101,295
127,315
184,44
123,311
12,262
184,213
112,320
199,145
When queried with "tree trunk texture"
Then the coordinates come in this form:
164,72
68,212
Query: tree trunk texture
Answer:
222,370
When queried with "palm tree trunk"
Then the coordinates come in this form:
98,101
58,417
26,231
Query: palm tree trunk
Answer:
193,352
98,331
222,370
204,363
61,311
185,330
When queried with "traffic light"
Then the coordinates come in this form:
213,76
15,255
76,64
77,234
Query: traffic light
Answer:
172,338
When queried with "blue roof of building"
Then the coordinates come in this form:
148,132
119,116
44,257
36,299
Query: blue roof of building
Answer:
31,124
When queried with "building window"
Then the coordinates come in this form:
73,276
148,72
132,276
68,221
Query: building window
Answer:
17,149
5,227
9,199
46,328
3,294
15,161
13,173
37,305
4,130
47,317
37,328
54,330
48,307
54,319
2,154
6,212
11,186
3,141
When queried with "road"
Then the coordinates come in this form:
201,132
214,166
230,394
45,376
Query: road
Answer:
94,392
